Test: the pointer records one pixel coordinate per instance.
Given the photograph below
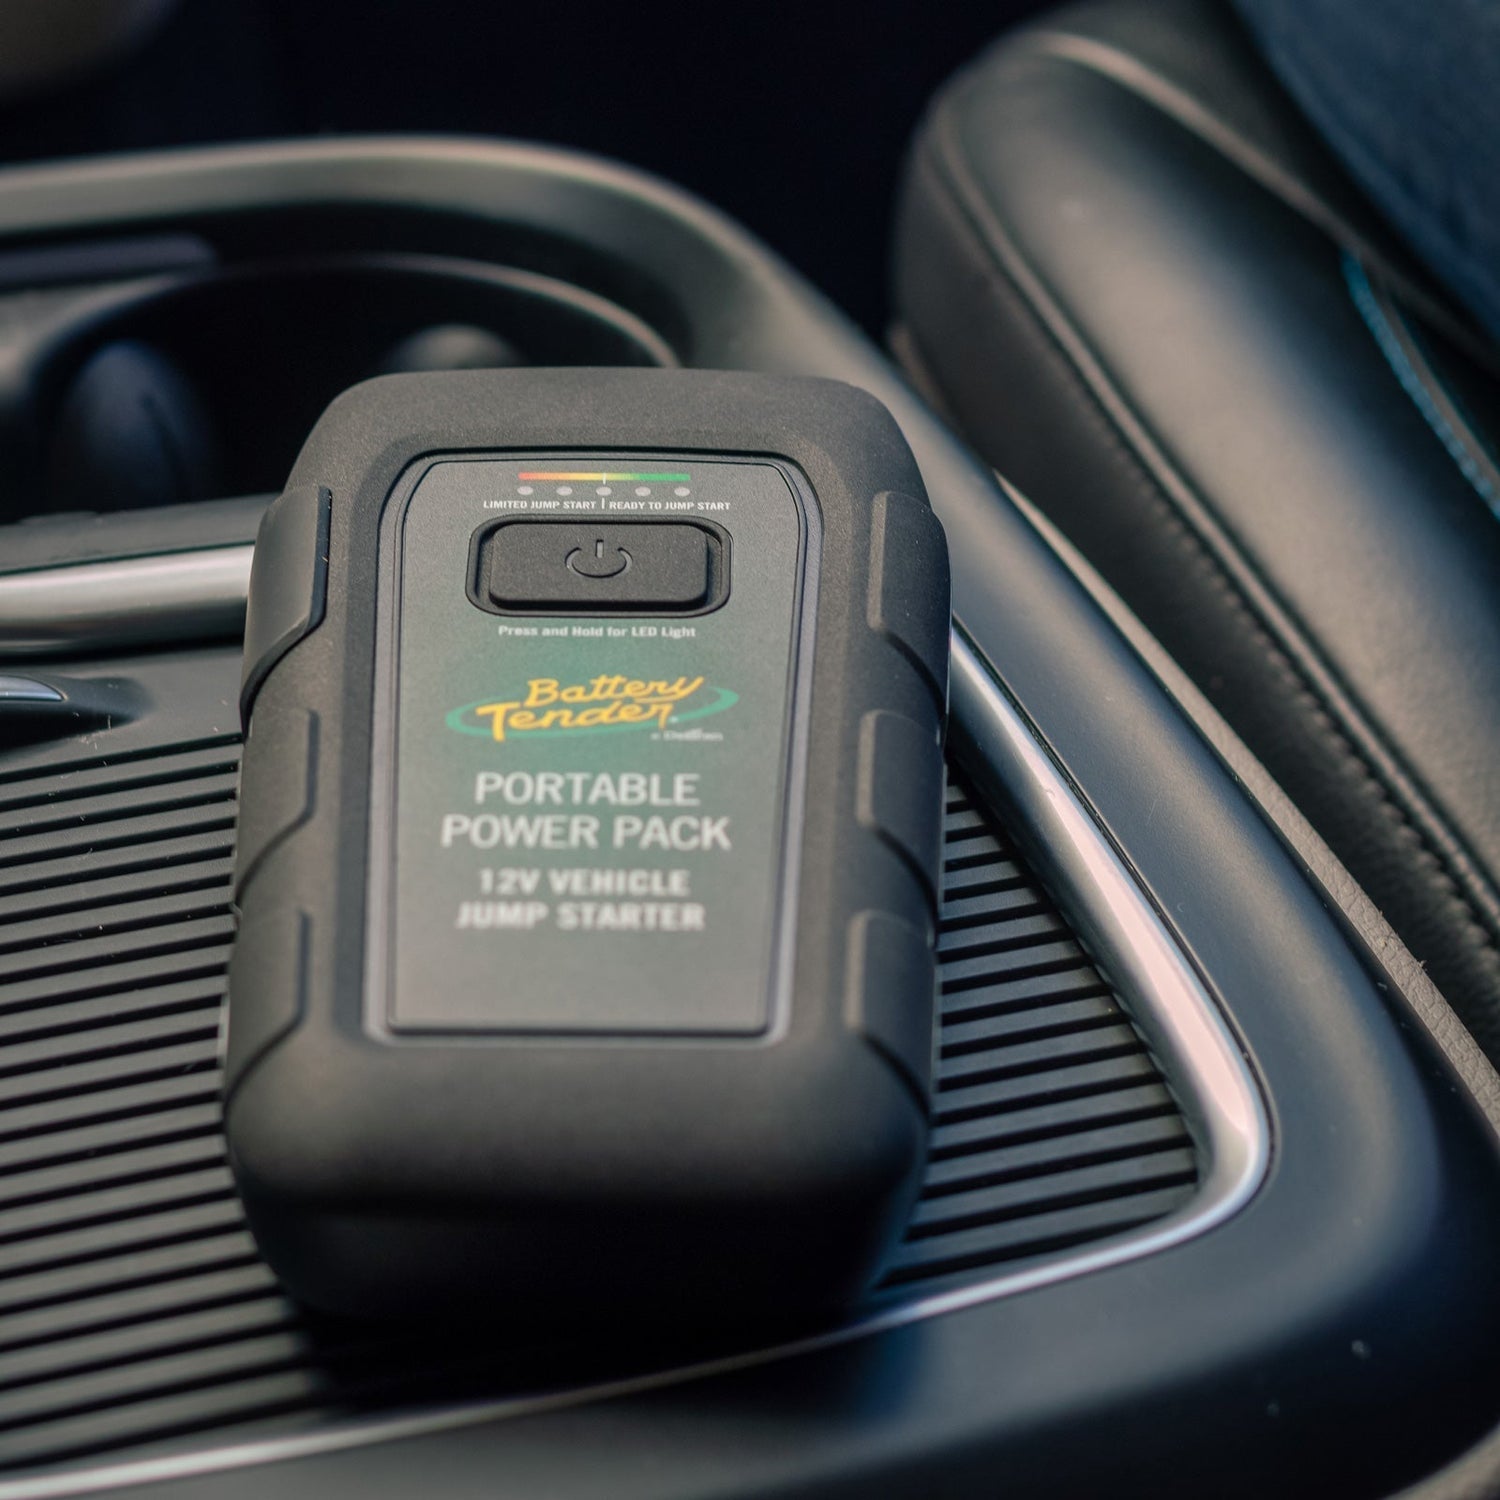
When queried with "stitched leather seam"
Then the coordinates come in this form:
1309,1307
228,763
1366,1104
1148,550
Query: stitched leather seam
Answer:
1257,590
1297,687
1153,88
1402,804
1453,1038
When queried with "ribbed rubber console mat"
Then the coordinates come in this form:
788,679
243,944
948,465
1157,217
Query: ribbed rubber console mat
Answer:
1052,1125
134,1311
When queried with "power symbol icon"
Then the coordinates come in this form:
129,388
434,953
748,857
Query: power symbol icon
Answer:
603,567
598,562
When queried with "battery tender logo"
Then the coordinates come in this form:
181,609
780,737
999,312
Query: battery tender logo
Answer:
550,708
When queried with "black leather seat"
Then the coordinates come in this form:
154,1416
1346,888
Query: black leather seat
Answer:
1154,302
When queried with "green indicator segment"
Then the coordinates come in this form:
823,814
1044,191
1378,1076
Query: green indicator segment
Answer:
545,475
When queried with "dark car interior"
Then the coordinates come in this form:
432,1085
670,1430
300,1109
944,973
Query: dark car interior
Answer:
1191,991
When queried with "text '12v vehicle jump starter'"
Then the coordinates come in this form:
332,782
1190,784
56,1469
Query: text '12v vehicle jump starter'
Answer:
588,847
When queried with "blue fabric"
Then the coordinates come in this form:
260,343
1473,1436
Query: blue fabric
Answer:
1476,472
1407,93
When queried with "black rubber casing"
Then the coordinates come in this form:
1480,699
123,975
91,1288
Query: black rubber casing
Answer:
576,1174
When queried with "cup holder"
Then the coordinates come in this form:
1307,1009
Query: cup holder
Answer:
206,386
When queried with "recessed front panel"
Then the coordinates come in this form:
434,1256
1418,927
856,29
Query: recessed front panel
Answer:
593,704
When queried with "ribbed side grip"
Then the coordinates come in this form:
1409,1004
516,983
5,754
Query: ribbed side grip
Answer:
134,1312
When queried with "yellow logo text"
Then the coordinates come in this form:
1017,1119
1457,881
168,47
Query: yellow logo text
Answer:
587,705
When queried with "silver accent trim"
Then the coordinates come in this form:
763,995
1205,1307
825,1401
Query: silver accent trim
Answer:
131,601
1127,936
27,690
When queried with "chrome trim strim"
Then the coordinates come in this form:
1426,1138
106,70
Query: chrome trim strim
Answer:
130,601
1126,937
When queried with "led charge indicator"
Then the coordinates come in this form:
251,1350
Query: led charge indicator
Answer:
561,476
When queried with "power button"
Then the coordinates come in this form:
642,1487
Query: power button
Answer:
604,561
625,567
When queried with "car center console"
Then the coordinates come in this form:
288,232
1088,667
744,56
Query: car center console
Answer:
1213,1194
